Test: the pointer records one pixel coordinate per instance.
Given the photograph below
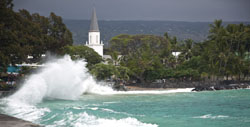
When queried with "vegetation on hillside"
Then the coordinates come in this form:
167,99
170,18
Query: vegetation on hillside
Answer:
197,31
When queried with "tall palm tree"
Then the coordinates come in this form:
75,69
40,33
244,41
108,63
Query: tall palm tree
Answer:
187,52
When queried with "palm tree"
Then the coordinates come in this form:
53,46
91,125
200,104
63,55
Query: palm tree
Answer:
114,58
219,46
187,49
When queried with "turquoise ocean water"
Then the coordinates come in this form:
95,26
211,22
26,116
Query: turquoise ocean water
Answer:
230,108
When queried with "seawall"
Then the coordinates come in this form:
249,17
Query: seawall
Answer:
5,93
9,121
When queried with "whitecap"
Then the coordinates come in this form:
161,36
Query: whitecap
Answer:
84,119
116,112
24,111
112,102
209,116
94,108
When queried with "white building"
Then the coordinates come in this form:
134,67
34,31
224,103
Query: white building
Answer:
176,54
94,35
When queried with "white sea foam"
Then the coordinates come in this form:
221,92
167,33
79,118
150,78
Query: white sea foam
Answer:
94,108
23,111
112,102
86,120
78,107
184,90
109,110
180,90
112,111
209,116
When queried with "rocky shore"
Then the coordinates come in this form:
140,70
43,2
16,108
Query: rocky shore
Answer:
223,86
197,85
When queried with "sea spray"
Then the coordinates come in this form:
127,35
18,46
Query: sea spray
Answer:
61,79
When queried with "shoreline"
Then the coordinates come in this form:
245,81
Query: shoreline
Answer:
137,88
196,85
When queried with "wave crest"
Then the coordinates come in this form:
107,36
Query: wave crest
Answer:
61,79
84,119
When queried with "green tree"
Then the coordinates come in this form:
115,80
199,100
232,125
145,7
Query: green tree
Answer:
105,71
23,34
226,50
59,31
187,49
79,52
114,58
144,56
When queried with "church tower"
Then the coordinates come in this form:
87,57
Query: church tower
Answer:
94,35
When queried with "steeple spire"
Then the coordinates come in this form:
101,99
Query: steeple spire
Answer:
94,24
94,35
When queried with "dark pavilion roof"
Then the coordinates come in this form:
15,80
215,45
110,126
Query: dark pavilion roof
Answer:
94,24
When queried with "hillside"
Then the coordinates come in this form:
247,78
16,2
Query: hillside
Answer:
195,30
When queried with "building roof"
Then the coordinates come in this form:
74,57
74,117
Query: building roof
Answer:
94,24
107,57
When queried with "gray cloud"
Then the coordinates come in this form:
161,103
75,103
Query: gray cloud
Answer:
180,10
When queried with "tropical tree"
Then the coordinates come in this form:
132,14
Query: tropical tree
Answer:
23,34
107,71
83,52
103,71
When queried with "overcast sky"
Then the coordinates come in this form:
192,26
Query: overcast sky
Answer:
176,10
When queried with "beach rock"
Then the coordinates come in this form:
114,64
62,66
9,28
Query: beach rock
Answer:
244,86
197,85
222,86
119,86
203,88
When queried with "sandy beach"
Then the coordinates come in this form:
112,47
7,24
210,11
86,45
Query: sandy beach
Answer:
137,88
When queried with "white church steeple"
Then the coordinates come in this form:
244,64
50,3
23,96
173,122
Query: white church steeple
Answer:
94,35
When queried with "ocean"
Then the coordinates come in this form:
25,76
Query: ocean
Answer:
62,94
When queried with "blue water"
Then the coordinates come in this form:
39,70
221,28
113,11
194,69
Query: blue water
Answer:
230,108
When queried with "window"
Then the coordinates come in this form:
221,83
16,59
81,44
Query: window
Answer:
96,39
90,39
